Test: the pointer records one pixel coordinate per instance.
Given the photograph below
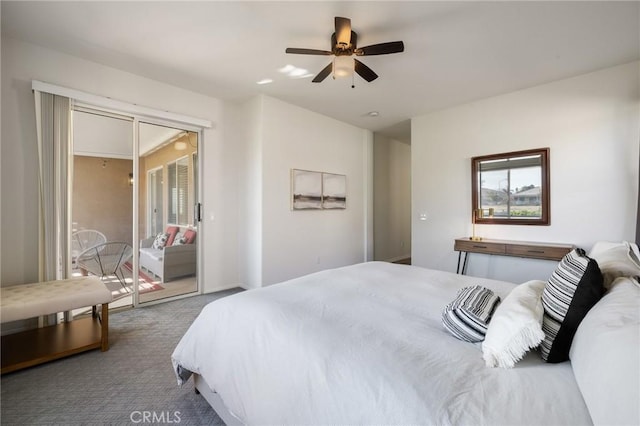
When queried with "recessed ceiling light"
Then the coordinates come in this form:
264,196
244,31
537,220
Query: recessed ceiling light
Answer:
265,81
295,72
373,113
287,69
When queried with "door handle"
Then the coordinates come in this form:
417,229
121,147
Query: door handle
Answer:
197,213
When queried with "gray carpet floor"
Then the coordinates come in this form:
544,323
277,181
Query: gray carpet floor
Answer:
115,387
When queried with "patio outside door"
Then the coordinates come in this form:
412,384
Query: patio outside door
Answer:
114,192
102,200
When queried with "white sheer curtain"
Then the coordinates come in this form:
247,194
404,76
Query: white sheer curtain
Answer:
53,122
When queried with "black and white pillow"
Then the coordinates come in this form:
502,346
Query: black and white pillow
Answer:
467,316
179,239
160,241
574,287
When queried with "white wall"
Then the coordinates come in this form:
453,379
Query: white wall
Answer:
23,62
249,168
392,199
288,244
299,242
591,123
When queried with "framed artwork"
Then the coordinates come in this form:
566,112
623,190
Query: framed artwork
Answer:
317,190
334,191
306,190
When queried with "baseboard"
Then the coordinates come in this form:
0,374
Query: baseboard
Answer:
227,287
395,259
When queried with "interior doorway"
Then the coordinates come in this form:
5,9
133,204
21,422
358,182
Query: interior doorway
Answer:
392,198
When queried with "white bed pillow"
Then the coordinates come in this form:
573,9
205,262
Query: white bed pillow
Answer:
605,356
516,326
616,260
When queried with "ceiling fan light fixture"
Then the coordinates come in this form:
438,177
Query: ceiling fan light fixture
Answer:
343,66
344,44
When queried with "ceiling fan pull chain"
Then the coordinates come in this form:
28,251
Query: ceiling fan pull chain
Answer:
333,69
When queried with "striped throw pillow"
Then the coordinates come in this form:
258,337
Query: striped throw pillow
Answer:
574,287
468,316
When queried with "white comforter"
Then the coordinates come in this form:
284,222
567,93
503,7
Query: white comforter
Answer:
364,344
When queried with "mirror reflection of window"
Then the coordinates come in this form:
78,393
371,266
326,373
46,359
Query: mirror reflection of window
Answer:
178,177
154,196
511,188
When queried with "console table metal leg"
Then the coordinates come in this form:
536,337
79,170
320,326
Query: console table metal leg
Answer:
462,271
465,262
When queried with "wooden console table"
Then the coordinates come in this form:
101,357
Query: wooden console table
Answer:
527,249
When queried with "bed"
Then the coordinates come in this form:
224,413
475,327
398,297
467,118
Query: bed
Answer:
365,344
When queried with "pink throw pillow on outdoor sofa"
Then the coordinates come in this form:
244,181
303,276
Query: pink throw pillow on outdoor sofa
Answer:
172,231
189,236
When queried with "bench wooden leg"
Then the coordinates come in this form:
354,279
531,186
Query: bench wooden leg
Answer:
104,322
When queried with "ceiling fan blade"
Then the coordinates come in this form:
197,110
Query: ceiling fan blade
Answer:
323,74
380,49
343,31
307,51
364,71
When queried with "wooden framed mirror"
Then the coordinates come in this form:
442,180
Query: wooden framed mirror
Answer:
511,188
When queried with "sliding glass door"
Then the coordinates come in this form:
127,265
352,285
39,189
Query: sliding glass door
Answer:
168,260
134,202
102,200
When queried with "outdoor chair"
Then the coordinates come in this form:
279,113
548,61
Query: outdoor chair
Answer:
84,239
106,259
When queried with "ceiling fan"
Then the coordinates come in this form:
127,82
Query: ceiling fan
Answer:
344,45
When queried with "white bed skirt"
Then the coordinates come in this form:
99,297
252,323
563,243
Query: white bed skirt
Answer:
215,401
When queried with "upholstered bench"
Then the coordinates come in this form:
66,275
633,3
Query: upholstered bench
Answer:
32,347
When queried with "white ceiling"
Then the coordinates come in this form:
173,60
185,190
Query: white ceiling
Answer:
455,52
97,135
100,136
